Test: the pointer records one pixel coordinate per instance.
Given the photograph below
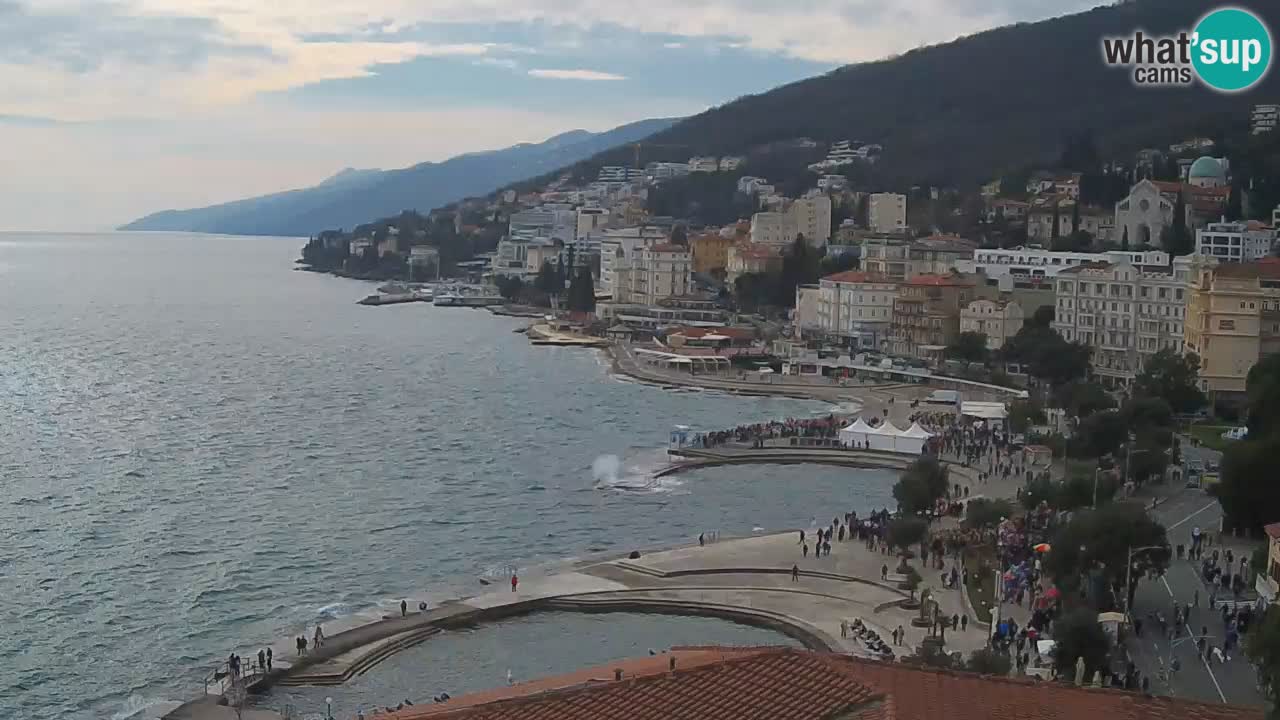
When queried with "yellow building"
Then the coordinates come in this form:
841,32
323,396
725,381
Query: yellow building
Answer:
1233,317
710,252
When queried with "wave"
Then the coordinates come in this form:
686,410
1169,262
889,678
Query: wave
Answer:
138,707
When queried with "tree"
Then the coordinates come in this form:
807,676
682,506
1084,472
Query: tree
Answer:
1099,434
1023,413
1144,415
1174,377
906,531
1047,355
969,346
1042,317
1075,217
510,287
1078,635
1099,541
582,293
1263,388
985,512
1082,398
680,235
1124,239
1057,224
989,662
921,484
1262,645
548,280
1176,238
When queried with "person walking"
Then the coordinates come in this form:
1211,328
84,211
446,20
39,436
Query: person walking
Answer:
844,628
318,639
268,659
795,573
515,581
404,608
262,660
884,572
804,549
964,622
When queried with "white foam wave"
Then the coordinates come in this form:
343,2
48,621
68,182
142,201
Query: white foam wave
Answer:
635,475
138,707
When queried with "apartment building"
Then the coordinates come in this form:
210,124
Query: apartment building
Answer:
998,320
661,271
811,216
1233,319
1235,241
926,314
618,250
1264,118
1124,313
710,251
1034,265
854,309
746,258
899,258
887,212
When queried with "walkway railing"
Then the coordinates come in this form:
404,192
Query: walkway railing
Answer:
221,681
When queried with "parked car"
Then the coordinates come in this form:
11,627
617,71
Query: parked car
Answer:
1237,433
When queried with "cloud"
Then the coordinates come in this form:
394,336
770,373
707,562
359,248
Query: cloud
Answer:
593,75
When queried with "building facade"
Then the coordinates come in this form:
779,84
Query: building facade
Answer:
710,252
746,258
855,309
811,216
926,315
1032,264
998,320
771,228
1124,313
898,258
661,271
1143,215
618,250
1235,241
887,212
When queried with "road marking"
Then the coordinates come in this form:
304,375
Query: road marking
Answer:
1183,520
1190,633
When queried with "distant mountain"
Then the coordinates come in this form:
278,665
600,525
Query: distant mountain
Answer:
355,196
960,112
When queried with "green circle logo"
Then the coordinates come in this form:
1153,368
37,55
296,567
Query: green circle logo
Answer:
1231,49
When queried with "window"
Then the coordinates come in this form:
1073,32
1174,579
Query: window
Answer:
1226,324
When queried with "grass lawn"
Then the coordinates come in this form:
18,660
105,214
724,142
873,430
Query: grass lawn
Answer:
982,589
1210,436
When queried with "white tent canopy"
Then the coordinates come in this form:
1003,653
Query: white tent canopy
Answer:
885,437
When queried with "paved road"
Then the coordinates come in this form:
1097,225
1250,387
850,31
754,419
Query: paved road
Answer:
1232,681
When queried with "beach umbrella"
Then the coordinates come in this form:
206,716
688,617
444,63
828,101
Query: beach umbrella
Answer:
1041,548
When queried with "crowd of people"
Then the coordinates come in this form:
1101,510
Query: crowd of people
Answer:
757,433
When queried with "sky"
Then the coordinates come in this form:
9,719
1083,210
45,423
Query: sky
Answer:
112,109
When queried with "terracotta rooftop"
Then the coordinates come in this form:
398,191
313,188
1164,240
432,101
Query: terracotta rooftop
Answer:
757,251
793,684
856,276
940,281
1273,530
669,248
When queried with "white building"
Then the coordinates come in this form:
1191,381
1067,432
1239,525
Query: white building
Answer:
748,184
771,228
666,170
887,212
1123,313
998,320
1264,118
729,163
589,219
618,251
661,271
546,222
617,173
833,183
1022,263
1235,241
811,216
1143,215
856,308
703,164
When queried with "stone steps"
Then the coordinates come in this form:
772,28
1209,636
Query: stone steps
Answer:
362,664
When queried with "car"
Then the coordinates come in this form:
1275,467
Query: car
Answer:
1237,433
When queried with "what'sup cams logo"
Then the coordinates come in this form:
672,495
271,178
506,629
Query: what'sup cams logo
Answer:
1229,50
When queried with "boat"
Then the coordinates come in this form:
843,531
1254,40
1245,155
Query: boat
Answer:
381,299
455,300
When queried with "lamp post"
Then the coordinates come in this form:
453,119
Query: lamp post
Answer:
328,706
1128,570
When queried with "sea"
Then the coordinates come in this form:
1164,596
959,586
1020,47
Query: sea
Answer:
203,449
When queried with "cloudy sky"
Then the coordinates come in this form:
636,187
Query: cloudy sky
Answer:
110,109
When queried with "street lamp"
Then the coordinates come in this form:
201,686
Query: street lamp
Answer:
328,704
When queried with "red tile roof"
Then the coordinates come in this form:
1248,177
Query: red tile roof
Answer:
856,276
939,281
1273,530
669,248
758,251
793,684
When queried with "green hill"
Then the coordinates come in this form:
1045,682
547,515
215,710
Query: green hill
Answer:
958,113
